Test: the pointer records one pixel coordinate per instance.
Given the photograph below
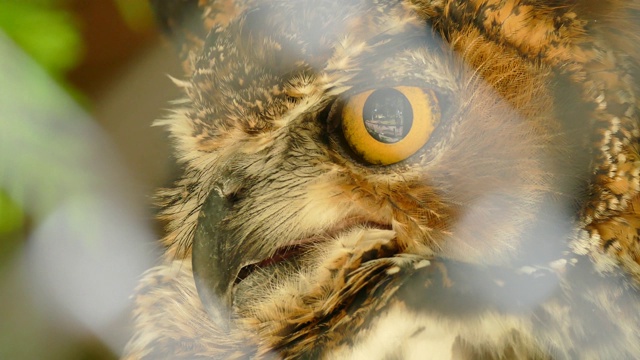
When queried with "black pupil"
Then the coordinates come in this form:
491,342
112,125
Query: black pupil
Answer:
387,115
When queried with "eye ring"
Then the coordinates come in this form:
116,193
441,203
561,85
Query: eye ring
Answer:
401,123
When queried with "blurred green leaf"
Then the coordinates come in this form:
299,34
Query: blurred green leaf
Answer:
11,217
50,36
47,34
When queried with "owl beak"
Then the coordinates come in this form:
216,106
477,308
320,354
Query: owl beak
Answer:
220,261
214,269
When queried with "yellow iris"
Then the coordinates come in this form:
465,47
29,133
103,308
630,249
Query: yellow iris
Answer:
388,125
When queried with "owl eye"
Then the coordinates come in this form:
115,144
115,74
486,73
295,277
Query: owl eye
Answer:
387,125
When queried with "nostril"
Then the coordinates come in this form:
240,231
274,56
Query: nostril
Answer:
231,193
235,196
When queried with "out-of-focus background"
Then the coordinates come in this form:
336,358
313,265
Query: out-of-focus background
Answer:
80,84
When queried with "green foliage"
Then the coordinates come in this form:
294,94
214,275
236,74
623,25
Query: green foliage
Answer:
48,34
11,217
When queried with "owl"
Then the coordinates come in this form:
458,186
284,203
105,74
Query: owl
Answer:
399,179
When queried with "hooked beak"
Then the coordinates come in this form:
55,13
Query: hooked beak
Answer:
214,266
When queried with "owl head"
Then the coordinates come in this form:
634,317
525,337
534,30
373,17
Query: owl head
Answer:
345,161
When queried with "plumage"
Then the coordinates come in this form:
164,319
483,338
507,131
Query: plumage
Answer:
510,232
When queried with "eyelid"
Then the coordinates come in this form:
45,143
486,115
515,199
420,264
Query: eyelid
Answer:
426,117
